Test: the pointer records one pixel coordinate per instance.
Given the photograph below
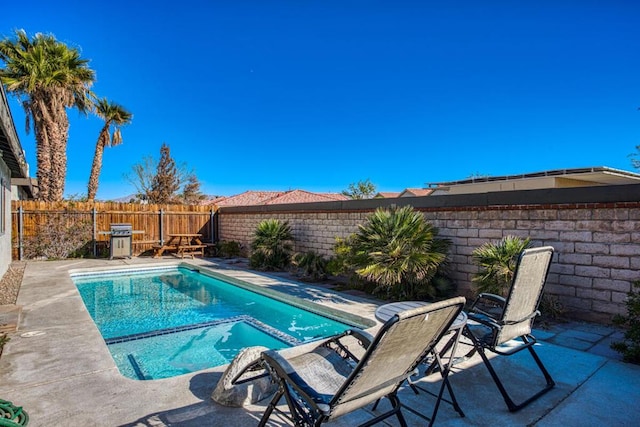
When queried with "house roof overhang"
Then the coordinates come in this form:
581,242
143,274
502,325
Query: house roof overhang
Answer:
600,175
10,147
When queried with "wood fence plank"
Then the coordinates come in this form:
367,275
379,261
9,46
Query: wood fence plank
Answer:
142,217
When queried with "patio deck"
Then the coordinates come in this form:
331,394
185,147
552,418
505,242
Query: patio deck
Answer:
65,376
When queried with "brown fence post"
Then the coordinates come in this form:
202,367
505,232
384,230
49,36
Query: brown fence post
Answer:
161,224
211,226
93,219
20,231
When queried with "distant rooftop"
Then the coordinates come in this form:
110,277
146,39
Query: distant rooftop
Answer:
416,192
560,178
600,174
252,198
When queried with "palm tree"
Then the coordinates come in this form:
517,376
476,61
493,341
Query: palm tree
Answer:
271,246
115,116
497,262
47,77
398,247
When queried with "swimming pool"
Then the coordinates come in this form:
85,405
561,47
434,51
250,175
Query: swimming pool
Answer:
163,322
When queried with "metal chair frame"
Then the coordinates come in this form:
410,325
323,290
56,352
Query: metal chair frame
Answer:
307,408
498,320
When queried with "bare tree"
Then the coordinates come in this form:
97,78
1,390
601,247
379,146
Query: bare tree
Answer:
141,177
161,182
191,193
167,180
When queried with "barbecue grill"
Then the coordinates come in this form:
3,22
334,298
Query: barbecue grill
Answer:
121,237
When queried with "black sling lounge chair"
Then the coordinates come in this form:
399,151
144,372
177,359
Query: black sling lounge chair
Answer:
494,320
330,381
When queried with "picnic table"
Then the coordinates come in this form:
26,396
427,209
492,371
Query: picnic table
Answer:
182,244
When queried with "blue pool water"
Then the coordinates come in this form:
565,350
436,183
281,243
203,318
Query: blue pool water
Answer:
173,321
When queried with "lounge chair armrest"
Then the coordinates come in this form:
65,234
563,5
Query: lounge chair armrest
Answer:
524,319
490,305
365,338
497,299
277,362
485,319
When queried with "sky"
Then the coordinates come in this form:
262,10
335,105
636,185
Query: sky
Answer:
315,95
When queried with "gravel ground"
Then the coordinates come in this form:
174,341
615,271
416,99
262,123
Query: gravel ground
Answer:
10,283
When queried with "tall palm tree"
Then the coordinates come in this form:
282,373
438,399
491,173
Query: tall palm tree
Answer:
115,116
48,77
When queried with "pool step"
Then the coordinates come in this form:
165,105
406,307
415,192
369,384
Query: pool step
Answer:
279,335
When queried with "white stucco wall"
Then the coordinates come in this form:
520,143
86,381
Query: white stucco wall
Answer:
5,232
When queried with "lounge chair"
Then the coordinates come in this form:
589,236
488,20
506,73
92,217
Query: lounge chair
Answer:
329,380
494,320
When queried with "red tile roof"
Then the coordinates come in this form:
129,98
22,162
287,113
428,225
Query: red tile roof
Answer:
251,198
302,196
387,194
415,192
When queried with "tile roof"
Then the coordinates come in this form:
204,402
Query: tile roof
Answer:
387,194
302,196
251,198
416,192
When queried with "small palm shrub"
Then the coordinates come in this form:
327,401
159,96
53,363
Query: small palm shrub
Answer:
311,265
497,262
398,251
342,261
630,346
3,340
228,249
271,246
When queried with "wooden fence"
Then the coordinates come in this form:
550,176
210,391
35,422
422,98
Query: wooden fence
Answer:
152,223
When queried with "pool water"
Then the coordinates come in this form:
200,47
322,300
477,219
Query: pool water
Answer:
172,321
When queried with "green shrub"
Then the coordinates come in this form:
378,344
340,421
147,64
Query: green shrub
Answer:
59,236
497,262
340,263
271,246
398,251
3,340
311,265
630,346
228,249
550,308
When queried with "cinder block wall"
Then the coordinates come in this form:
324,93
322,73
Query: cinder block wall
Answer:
595,232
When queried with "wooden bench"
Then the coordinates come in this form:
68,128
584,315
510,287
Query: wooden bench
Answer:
158,250
191,250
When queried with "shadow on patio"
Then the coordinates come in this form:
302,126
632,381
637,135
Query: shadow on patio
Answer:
590,390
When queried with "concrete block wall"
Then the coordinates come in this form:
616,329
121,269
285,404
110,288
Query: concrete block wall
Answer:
597,243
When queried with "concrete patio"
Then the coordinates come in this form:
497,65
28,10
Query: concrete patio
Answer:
58,368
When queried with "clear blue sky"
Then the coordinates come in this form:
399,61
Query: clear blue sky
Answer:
315,95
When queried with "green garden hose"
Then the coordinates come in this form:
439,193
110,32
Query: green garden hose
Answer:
12,416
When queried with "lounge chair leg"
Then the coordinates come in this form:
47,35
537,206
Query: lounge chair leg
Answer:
271,407
396,409
396,404
513,407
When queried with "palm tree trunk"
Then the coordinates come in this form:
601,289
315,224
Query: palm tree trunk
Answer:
92,187
42,127
59,154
